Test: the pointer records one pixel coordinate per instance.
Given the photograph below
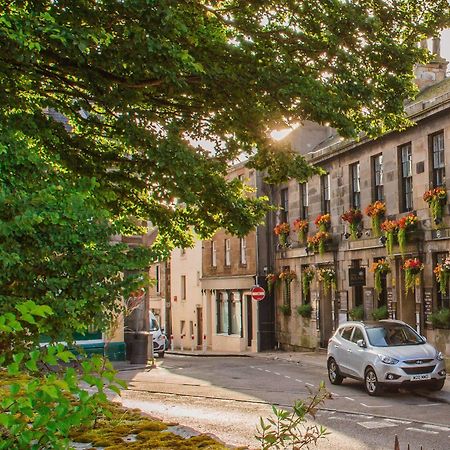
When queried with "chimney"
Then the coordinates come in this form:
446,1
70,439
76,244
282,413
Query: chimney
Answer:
435,70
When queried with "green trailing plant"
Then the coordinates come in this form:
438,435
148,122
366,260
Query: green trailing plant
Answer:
380,268
42,397
272,279
327,276
436,199
307,277
289,429
405,224
442,274
376,211
357,313
380,313
287,277
390,229
285,309
412,268
441,318
305,310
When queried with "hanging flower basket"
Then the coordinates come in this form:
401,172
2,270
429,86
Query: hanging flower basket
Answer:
379,268
442,274
301,227
390,229
307,277
376,211
405,224
413,268
436,199
318,242
328,278
282,231
323,222
354,218
271,279
287,276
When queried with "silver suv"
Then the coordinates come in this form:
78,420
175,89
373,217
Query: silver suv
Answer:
384,353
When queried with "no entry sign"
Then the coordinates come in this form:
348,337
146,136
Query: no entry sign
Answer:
258,293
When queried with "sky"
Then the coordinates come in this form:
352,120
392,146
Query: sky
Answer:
445,44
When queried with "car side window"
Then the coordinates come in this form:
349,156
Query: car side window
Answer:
357,335
347,332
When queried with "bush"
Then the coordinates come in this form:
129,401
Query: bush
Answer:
285,309
357,313
380,313
305,310
441,319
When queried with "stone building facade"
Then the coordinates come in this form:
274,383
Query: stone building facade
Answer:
231,266
396,169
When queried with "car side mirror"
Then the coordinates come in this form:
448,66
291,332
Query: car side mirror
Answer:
361,343
424,338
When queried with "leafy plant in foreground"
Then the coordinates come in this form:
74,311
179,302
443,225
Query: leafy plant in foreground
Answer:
46,392
289,429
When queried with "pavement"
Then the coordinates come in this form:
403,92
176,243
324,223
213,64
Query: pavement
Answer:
307,358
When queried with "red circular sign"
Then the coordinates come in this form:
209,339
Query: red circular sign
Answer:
258,293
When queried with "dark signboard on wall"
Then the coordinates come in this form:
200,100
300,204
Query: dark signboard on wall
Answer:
357,276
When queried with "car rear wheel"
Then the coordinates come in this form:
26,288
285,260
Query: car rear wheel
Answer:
333,372
438,385
371,383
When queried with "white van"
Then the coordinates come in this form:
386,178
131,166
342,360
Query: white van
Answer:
159,338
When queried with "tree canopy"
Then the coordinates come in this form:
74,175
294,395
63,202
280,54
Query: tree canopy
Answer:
141,81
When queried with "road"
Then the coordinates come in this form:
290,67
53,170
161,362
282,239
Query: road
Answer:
226,396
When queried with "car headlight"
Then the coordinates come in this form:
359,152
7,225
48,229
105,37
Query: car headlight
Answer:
439,356
387,359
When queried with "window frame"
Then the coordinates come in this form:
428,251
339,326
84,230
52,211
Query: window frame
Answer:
405,180
325,193
227,253
355,185
437,172
377,177
243,251
303,200
284,205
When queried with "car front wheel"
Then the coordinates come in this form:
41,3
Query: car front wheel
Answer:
333,372
371,382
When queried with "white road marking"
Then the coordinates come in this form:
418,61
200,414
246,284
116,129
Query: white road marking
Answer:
421,431
376,406
309,384
300,381
268,371
259,368
287,376
276,373
429,404
436,427
403,422
339,418
373,425
252,367
349,398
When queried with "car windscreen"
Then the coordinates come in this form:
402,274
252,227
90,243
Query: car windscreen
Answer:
392,335
154,325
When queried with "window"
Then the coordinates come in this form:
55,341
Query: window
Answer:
243,251
377,178
355,199
437,159
158,278
183,287
406,187
213,254
227,253
236,314
284,204
304,200
347,332
443,301
222,313
325,193
357,335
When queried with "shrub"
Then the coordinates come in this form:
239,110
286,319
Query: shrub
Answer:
441,319
357,313
285,309
380,313
305,310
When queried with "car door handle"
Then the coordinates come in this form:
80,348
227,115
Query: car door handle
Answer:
349,350
336,346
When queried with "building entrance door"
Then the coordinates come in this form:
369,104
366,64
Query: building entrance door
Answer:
199,326
249,320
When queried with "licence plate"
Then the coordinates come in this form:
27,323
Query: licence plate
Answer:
425,376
